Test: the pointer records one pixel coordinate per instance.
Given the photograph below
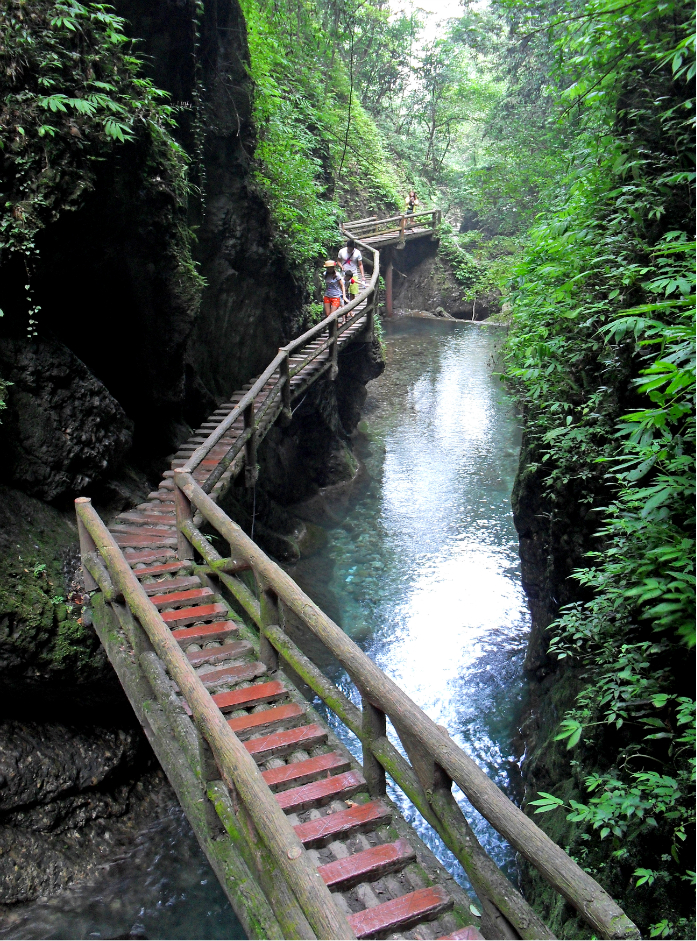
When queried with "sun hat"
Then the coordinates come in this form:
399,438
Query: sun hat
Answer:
330,264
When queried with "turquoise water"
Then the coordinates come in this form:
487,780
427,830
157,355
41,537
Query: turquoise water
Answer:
424,571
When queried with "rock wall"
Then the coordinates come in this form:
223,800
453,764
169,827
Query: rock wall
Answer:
423,280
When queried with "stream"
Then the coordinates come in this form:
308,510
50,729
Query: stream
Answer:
423,572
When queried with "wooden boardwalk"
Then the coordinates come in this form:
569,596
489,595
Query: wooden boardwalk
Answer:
304,838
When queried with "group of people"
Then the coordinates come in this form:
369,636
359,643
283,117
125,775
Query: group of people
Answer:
341,282
341,278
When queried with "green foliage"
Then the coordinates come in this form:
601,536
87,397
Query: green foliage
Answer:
602,353
71,93
307,141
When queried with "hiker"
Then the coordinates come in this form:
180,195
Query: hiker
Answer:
351,261
334,290
353,288
412,202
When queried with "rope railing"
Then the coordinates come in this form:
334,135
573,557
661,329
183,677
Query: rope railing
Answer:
434,762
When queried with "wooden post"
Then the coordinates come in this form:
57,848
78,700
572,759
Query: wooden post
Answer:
333,349
250,448
374,727
185,550
370,316
284,369
388,286
268,616
87,547
402,226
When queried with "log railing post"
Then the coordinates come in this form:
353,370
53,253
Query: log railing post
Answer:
87,547
402,226
250,447
269,617
374,726
370,316
333,348
182,504
284,371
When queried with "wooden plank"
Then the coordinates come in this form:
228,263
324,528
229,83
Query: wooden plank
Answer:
233,674
250,696
342,824
468,933
150,571
366,866
236,649
149,555
282,743
182,598
129,541
300,772
410,909
131,529
172,584
205,633
202,612
244,726
317,793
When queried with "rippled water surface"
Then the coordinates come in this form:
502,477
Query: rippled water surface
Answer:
423,572
426,574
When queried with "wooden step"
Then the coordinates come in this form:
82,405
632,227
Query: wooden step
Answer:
239,673
165,497
149,519
204,633
238,648
278,744
300,772
149,555
154,570
243,726
342,824
401,913
180,599
146,540
172,584
318,793
468,933
366,866
149,529
250,696
201,612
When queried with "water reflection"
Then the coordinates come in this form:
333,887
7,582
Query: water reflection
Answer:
426,571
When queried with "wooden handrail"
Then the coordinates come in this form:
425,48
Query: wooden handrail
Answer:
432,751
237,766
360,224
284,353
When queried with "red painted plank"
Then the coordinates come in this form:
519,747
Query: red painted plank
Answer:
236,674
468,933
181,598
258,721
128,541
317,793
202,612
131,529
163,496
300,772
237,648
252,695
172,584
281,743
422,905
153,570
150,518
149,555
205,633
367,865
343,823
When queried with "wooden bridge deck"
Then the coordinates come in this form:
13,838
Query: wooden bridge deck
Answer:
303,838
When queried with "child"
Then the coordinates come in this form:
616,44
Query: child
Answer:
354,288
334,290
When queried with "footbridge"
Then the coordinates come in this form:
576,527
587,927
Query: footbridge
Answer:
196,621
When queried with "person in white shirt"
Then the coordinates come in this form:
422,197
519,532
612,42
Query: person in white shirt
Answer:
351,261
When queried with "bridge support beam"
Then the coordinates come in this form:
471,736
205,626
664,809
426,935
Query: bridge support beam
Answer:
388,285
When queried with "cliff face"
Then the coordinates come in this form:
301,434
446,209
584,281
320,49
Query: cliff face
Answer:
133,351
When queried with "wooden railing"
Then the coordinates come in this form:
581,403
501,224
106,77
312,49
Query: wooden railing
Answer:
434,762
394,225
259,408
